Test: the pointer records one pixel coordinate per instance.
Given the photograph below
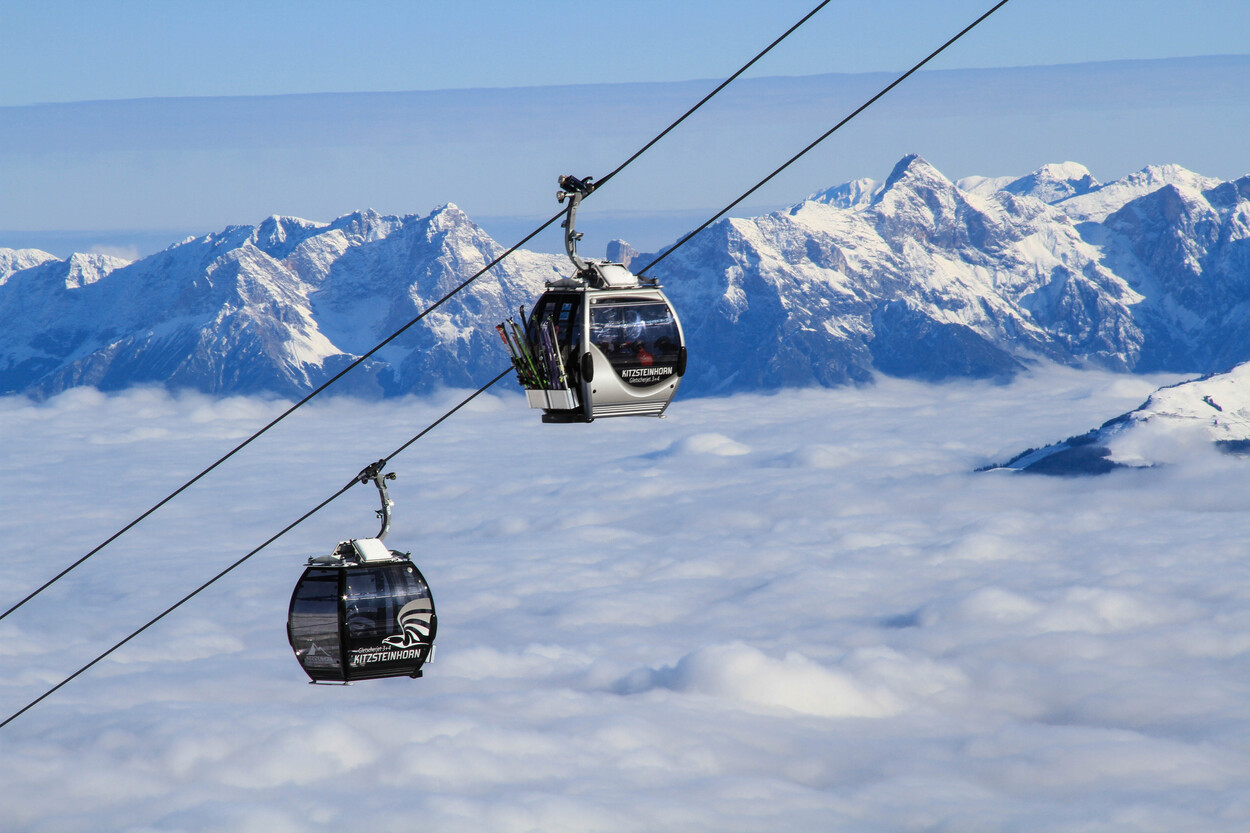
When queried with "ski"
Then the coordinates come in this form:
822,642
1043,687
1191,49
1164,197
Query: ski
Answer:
522,373
527,356
559,372
546,349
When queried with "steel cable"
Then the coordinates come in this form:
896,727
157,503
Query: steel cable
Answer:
364,357
822,137
480,390
241,560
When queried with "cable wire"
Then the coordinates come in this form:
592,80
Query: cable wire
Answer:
822,137
708,97
364,357
480,390
274,421
240,561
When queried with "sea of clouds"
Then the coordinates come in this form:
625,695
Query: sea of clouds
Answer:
793,612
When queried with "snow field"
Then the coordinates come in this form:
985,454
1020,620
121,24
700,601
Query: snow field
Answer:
800,611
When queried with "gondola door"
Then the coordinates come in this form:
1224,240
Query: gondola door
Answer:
388,621
561,314
313,624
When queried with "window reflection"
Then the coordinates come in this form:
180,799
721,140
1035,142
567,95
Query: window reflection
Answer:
640,339
315,621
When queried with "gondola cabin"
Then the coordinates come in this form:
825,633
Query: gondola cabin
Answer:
620,345
360,614
602,343
363,612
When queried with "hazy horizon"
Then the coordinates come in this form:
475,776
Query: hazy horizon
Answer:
132,174
60,50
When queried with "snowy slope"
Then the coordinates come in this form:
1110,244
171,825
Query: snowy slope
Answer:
1176,420
1054,183
15,260
919,279
1097,202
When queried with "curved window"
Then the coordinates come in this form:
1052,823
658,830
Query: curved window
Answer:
374,598
639,336
314,624
561,308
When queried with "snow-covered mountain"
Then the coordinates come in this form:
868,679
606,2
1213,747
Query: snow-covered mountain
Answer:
277,307
923,278
1213,410
915,276
16,260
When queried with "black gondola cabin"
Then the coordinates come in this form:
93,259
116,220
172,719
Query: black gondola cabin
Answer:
364,611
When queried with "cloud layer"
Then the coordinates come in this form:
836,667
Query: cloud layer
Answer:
797,611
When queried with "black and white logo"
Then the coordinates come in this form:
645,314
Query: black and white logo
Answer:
414,618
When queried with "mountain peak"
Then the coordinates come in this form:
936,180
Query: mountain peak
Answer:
1104,200
1054,182
15,260
277,236
448,216
618,251
1169,173
1154,177
854,194
913,178
84,269
283,224
918,203
913,167
366,225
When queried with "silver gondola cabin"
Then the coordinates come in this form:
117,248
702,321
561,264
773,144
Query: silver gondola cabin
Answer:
601,343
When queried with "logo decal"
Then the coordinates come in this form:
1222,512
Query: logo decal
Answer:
639,376
414,618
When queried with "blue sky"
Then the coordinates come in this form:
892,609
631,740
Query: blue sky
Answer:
56,50
134,175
